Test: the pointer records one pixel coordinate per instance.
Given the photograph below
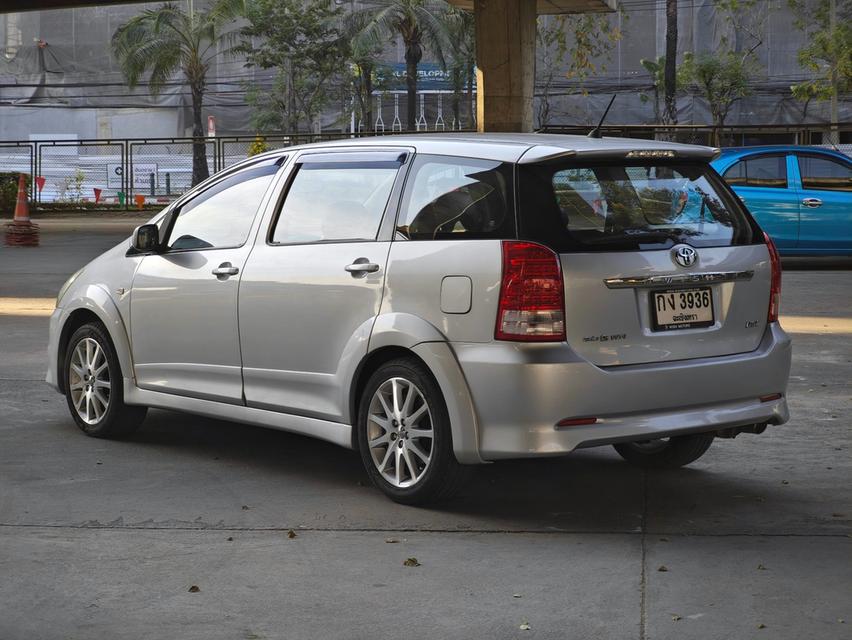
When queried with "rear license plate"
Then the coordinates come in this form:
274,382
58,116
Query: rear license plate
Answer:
682,309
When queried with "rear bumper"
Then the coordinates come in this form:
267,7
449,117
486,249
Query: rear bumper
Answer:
520,392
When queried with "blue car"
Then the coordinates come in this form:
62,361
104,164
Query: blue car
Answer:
801,196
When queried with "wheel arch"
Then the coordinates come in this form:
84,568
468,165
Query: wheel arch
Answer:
403,335
94,305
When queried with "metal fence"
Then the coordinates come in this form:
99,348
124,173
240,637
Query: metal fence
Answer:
127,173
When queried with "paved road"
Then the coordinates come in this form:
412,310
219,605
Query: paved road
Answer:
104,539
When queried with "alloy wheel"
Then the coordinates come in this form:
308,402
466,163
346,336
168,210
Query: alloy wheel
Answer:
399,432
89,381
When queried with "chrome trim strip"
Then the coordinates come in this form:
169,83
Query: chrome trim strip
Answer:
682,278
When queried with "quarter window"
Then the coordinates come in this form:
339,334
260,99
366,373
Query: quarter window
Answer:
825,174
762,171
334,198
222,215
457,198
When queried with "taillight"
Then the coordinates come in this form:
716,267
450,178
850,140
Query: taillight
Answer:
532,304
775,287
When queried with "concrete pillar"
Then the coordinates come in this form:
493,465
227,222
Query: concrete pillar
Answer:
505,64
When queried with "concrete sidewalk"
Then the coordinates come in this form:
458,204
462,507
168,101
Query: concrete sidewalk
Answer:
103,539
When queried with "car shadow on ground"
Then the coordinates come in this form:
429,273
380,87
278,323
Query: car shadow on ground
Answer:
589,490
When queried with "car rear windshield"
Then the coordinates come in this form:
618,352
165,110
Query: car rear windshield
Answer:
629,207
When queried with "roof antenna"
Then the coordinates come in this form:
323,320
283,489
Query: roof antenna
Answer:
596,132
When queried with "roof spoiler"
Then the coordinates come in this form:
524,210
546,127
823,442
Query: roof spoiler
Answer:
543,154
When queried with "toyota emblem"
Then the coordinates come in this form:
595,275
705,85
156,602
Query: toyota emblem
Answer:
684,255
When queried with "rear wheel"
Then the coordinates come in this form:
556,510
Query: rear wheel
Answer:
93,386
403,433
666,453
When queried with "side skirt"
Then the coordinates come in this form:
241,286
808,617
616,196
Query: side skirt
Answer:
335,432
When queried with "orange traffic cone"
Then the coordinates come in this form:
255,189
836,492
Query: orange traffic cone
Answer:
22,208
21,232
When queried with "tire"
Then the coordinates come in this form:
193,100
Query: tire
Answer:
666,454
96,400
416,459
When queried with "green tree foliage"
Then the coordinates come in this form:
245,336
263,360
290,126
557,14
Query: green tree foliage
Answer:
420,23
828,54
367,74
723,77
302,40
583,42
167,40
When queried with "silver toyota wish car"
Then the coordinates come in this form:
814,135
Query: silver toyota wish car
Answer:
440,301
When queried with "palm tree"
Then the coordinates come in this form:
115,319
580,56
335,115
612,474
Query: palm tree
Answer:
168,40
460,29
419,23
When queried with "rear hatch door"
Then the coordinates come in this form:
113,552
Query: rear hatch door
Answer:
660,262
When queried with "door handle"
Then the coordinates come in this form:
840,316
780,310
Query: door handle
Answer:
812,202
224,270
361,267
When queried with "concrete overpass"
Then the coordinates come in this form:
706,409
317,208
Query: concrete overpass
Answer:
505,50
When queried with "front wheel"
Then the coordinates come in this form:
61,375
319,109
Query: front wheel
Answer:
93,386
403,434
666,453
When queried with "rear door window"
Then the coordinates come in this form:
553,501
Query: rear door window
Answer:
337,197
449,198
825,174
762,171
611,207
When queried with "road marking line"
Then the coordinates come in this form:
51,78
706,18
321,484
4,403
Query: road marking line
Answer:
816,324
27,306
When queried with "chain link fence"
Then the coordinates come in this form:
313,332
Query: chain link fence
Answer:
159,171
126,174
79,173
18,157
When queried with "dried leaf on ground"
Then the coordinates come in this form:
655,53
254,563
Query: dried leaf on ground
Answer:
411,562
761,626
675,617
291,534
525,626
194,589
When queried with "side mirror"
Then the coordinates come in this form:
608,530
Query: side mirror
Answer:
146,238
